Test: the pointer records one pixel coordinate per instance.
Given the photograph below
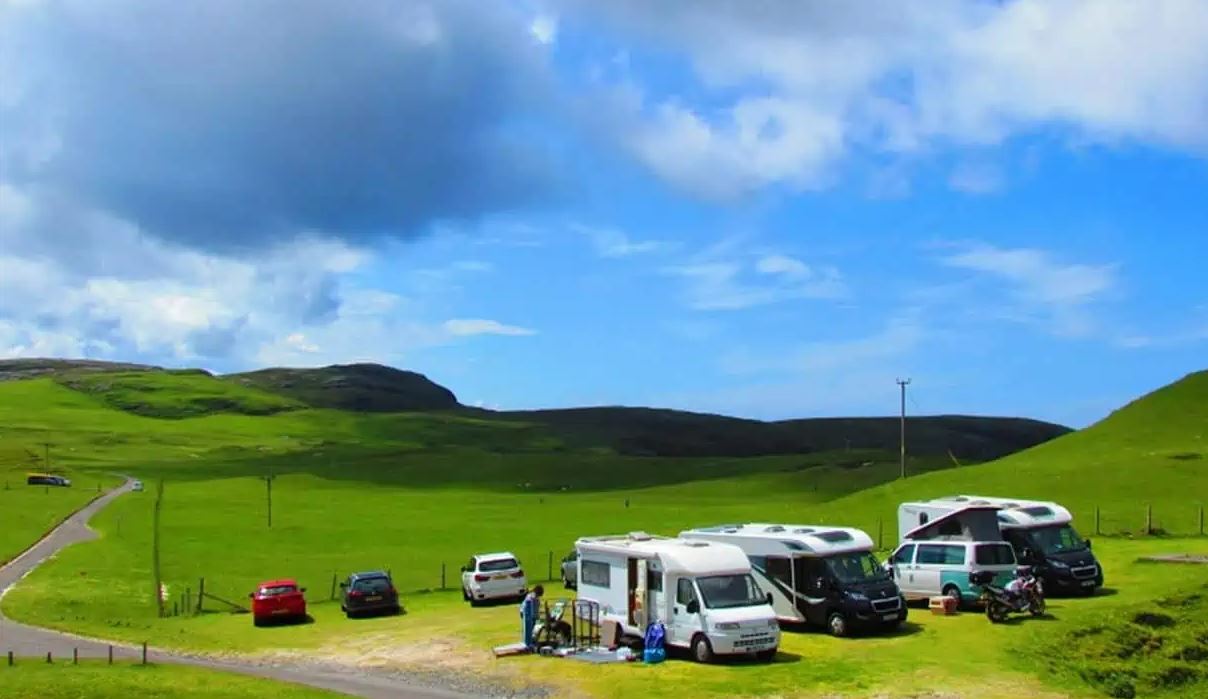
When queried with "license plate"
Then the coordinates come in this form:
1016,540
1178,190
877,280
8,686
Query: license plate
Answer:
889,617
374,598
280,611
500,577
1088,583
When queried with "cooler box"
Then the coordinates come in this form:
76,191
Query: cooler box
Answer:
943,606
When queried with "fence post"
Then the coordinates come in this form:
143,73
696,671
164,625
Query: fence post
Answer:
550,576
442,576
10,658
188,599
333,586
1201,520
1148,520
144,652
75,656
48,660
880,534
201,593
175,608
110,655
1097,520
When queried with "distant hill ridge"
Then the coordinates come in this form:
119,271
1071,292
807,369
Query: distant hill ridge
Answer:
625,430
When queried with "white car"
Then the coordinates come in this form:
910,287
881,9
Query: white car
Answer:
137,486
492,576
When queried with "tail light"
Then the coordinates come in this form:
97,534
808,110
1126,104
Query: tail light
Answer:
481,578
356,593
391,591
518,574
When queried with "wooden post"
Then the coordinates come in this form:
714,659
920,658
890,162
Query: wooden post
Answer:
159,598
551,566
175,608
1148,520
442,576
188,599
144,652
110,655
1097,520
333,586
48,660
10,658
1201,520
880,534
75,656
201,593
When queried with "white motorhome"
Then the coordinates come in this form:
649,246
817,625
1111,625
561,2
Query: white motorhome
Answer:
1043,535
818,575
702,591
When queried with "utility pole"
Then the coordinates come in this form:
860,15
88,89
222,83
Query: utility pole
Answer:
903,383
268,484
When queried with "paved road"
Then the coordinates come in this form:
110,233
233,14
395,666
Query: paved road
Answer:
31,641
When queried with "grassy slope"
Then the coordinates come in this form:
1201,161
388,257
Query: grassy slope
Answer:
30,678
1152,452
176,394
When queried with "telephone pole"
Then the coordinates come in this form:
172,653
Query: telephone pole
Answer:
903,383
268,485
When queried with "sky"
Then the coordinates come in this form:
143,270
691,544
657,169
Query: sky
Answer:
762,208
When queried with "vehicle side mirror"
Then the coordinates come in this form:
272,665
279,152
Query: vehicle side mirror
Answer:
1088,543
464,569
771,599
303,590
693,607
343,585
251,595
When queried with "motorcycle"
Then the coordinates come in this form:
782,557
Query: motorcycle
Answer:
1000,602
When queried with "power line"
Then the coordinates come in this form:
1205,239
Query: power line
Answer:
902,384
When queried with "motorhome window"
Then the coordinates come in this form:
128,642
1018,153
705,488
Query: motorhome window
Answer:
923,518
760,562
904,554
654,581
855,567
780,569
1038,511
994,555
811,573
729,591
941,554
497,565
596,574
684,593
1056,539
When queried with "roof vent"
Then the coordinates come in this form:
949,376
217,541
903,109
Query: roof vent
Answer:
639,536
774,528
696,544
835,536
803,530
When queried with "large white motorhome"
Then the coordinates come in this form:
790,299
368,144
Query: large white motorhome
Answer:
818,575
1043,535
703,592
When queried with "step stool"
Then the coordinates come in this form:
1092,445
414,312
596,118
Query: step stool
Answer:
942,606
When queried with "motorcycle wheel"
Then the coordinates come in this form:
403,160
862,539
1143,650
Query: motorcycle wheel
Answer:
1037,606
996,612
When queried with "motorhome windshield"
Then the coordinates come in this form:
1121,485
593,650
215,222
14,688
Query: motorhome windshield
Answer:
855,567
1058,538
729,591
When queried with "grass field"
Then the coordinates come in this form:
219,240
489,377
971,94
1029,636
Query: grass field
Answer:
409,492
92,679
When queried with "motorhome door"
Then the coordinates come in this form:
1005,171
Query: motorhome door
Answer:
684,624
637,593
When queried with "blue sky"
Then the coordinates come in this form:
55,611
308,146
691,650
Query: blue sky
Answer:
770,213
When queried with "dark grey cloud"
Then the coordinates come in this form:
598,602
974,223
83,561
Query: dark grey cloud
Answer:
223,124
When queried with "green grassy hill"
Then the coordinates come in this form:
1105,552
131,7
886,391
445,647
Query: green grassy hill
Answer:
1152,453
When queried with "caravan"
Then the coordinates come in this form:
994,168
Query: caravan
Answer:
818,575
703,592
1043,536
943,543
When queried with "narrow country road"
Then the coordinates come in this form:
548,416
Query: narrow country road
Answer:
31,641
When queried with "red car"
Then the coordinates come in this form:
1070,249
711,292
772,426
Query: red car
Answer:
278,600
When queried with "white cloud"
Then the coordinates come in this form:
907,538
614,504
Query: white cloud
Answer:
613,243
786,92
726,279
544,29
976,178
901,335
461,327
782,265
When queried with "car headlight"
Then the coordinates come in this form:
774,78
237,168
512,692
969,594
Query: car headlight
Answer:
773,624
726,626
1059,564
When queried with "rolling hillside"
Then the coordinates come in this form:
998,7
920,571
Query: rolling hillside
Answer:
1153,452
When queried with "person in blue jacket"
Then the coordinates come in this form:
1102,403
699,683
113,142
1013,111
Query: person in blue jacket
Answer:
529,609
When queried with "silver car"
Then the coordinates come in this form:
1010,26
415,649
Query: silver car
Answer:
570,570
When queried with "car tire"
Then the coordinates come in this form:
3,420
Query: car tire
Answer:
955,593
702,650
465,594
257,621
767,656
836,625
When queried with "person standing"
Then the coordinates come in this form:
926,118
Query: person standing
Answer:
528,614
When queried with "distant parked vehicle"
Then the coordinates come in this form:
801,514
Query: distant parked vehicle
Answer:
366,593
137,486
492,576
570,570
1025,594
278,600
47,479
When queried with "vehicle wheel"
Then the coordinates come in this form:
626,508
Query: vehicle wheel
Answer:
257,621
955,593
1037,606
767,656
702,650
836,625
397,610
996,612
465,594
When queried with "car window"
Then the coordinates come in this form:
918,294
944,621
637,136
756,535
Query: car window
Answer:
380,584
995,555
277,590
684,592
941,554
497,565
904,554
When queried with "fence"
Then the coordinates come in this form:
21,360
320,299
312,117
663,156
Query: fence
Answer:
93,651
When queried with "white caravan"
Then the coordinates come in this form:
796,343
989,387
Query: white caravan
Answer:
818,575
1043,536
703,592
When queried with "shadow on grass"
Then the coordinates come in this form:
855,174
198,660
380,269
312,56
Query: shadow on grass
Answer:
906,628
272,622
375,613
782,658
492,603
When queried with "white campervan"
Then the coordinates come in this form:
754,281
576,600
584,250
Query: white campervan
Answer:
818,575
942,543
1043,535
703,592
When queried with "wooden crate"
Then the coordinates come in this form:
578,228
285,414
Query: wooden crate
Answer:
942,606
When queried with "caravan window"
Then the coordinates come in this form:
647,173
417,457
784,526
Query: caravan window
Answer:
595,573
949,527
810,573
